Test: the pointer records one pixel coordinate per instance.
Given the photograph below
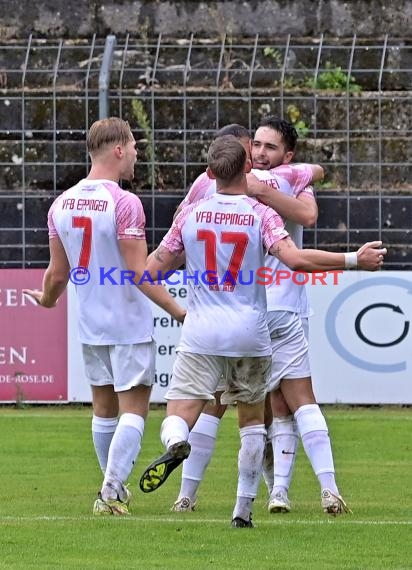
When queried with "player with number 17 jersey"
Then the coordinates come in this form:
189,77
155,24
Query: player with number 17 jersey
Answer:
225,238
292,180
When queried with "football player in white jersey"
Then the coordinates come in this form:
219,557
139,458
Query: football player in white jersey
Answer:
296,204
97,239
225,330
286,190
294,406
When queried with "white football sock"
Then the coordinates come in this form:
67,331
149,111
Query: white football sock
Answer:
315,439
173,430
250,462
102,434
267,471
285,443
202,439
124,449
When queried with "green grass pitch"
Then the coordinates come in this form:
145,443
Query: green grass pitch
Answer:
50,478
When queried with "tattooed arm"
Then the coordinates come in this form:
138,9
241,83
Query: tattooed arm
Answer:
179,260
170,254
162,262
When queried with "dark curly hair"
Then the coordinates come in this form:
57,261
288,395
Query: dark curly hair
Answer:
285,128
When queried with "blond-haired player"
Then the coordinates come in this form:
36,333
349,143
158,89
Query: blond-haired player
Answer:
96,226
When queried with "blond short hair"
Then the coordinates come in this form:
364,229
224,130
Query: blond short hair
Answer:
106,132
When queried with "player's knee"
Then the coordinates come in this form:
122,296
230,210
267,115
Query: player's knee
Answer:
309,418
284,426
215,410
280,407
252,430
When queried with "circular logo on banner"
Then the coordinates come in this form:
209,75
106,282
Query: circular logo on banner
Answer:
376,324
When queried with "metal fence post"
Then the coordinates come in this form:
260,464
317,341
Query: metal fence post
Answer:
104,76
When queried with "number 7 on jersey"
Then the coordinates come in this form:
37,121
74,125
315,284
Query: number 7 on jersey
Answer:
84,223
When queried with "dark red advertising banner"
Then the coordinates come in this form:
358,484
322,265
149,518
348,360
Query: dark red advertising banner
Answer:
33,341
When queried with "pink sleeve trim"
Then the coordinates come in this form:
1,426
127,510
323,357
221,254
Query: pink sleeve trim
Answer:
173,240
198,189
50,222
129,214
273,228
298,175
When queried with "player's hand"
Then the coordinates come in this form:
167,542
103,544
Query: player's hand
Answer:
371,255
39,298
180,315
254,185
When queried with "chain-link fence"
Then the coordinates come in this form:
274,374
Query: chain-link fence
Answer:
350,101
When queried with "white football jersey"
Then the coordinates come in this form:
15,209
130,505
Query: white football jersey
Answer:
201,188
292,179
225,238
283,293
89,219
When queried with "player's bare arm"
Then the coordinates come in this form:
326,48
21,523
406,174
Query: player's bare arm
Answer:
161,261
134,253
310,212
318,173
161,254
56,277
300,210
369,257
179,260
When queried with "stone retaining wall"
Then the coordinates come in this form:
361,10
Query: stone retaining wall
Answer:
83,18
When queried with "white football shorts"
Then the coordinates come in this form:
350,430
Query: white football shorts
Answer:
290,349
122,365
197,376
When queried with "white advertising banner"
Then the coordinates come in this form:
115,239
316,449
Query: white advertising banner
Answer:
167,334
360,343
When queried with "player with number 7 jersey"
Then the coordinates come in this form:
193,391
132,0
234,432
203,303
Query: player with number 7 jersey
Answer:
90,218
97,240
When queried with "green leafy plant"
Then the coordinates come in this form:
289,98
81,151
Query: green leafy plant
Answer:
273,54
324,185
288,82
334,78
143,121
294,115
